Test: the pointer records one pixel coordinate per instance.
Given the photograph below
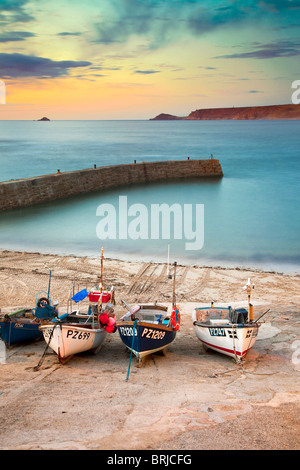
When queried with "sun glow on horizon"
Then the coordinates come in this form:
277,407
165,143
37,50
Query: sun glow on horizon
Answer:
134,59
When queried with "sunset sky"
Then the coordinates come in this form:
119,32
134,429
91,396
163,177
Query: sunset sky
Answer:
134,59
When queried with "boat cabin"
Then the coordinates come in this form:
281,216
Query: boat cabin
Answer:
221,315
149,313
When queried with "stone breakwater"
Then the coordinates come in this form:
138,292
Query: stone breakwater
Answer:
15,194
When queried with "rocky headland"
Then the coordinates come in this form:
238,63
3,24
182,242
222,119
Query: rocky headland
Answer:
284,111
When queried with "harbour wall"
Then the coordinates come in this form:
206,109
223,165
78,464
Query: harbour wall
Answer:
36,190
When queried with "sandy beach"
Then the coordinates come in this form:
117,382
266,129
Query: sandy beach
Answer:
189,399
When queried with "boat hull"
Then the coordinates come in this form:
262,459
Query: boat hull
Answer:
19,331
232,340
148,337
68,339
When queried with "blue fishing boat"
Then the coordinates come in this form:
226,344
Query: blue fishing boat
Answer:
23,324
146,330
19,328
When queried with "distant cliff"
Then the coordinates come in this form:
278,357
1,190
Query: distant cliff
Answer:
282,111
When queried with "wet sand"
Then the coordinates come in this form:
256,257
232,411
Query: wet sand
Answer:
188,399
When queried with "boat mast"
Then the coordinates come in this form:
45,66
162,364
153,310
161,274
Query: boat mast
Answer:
99,306
168,271
174,281
49,284
248,289
101,273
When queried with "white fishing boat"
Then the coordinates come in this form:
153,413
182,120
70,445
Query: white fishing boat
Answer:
74,333
229,331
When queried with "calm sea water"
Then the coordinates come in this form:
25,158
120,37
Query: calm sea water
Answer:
251,215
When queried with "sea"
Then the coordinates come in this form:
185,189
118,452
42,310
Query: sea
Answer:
250,218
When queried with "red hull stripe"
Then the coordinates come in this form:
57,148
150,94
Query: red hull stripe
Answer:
238,353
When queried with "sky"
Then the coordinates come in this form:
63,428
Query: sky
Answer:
135,59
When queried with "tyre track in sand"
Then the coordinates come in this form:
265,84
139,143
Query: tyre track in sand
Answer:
198,287
153,284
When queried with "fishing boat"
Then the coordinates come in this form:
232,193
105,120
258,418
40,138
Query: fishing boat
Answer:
72,335
76,332
148,328
23,324
227,330
19,327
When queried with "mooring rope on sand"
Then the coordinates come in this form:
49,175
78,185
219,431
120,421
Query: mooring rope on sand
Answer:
133,334
47,345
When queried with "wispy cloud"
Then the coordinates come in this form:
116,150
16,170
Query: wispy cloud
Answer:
14,11
67,33
100,67
280,5
146,72
19,65
162,22
158,22
205,20
286,48
14,36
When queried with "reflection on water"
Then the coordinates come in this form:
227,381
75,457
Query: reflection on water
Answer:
251,215
2,352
